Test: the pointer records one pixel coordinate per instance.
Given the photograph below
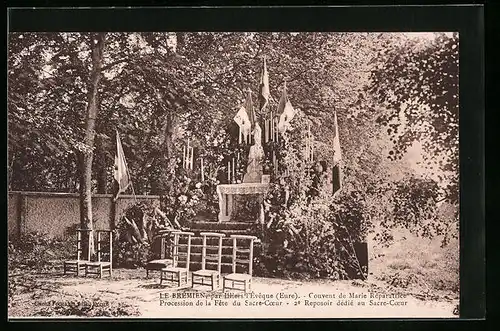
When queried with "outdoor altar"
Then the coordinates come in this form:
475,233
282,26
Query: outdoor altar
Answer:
226,193
252,181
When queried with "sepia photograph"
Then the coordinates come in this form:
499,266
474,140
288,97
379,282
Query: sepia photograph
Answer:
205,175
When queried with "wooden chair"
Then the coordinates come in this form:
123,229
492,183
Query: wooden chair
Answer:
163,261
175,273
206,276
104,253
75,266
243,256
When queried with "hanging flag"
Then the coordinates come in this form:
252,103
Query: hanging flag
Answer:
283,100
264,88
121,174
286,117
243,122
286,109
337,157
249,109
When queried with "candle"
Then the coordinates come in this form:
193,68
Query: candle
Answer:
265,130
188,156
274,162
277,132
239,135
202,171
307,147
276,129
184,156
234,171
271,122
229,172
192,158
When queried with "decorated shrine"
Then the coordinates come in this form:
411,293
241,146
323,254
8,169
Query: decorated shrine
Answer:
255,159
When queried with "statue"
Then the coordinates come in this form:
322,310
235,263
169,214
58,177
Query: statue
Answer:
255,158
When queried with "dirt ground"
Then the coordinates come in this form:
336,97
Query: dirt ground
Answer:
272,298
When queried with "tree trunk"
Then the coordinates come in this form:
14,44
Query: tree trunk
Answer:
169,133
102,174
97,46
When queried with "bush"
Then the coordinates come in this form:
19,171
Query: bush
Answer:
136,233
314,239
36,250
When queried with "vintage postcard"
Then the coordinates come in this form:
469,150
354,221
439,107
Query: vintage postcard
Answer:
228,174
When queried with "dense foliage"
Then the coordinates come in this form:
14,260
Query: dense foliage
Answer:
160,89
308,232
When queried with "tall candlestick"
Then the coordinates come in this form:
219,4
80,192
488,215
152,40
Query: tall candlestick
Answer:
265,130
274,162
276,130
268,130
307,147
239,135
234,171
202,171
192,158
188,155
184,156
271,124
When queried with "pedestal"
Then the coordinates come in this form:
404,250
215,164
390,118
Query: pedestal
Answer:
227,191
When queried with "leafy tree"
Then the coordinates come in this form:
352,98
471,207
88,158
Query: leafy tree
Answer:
158,89
418,82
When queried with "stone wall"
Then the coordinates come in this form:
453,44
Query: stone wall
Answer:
56,214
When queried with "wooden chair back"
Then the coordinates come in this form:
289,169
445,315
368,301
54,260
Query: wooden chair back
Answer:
211,252
243,252
165,240
104,249
181,248
83,236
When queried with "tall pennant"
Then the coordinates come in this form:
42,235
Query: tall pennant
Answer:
337,157
249,109
286,109
264,87
121,173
